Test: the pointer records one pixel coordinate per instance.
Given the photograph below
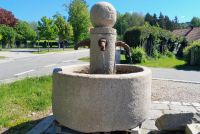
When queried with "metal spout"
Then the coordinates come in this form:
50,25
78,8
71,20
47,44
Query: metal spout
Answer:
103,44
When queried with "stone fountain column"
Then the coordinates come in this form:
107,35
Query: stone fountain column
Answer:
103,38
96,101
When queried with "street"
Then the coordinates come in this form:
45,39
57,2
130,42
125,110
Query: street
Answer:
37,65
25,64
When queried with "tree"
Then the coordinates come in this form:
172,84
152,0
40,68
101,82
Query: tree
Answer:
47,29
1,37
155,20
65,30
150,19
24,32
7,18
169,25
34,25
79,18
195,22
176,25
8,36
161,21
128,20
121,24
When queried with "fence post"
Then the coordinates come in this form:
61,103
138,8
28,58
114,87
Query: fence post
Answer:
192,56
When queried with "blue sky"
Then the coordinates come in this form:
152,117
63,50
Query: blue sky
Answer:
33,10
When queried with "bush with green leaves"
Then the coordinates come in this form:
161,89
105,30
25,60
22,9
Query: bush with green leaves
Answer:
153,39
192,52
169,54
138,55
8,36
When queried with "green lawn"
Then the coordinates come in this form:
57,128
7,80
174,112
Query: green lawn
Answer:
163,62
54,50
21,98
85,59
169,62
2,57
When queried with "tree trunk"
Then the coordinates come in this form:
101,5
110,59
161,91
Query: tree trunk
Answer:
48,46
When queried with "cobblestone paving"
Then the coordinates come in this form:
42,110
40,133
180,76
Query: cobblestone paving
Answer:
158,108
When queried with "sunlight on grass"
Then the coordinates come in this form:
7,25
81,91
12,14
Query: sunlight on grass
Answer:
23,97
85,59
164,62
46,51
2,57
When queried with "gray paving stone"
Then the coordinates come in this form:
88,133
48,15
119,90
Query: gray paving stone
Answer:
183,108
176,122
196,104
192,129
171,111
198,109
186,103
164,102
154,114
175,103
149,125
136,130
155,102
159,106
145,131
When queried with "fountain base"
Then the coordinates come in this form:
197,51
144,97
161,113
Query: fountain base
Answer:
101,103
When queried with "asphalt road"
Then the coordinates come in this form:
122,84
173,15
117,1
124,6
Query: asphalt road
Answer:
177,75
37,65
21,65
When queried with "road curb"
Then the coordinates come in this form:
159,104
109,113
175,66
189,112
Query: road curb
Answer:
176,80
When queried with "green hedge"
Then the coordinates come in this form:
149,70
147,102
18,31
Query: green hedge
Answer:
192,53
153,39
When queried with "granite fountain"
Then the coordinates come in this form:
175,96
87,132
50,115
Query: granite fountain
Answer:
101,96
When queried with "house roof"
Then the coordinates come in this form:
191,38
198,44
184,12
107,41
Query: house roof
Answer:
191,34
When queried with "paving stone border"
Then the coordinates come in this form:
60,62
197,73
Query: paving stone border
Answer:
158,108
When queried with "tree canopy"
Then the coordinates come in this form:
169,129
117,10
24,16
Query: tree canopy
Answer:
24,31
8,35
47,29
65,30
127,20
195,22
79,18
1,37
7,18
162,21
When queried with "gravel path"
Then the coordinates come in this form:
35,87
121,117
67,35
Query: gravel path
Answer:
175,91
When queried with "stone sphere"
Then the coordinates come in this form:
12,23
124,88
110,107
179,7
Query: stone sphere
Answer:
103,14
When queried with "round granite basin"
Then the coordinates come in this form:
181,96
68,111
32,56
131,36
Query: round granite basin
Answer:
101,103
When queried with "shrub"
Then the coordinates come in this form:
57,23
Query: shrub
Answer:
153,39
156,55
169,54
192,53
138,55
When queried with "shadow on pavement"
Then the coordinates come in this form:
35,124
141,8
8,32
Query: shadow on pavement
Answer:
187,67
24,51
22,128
